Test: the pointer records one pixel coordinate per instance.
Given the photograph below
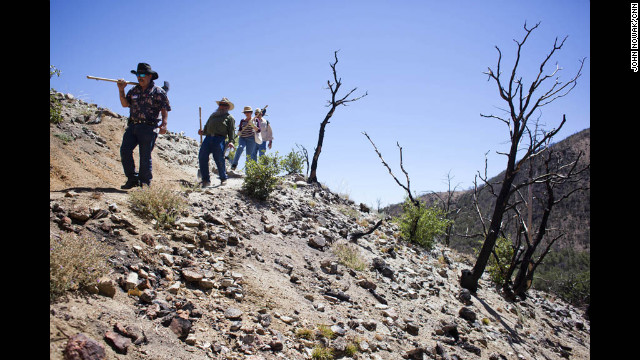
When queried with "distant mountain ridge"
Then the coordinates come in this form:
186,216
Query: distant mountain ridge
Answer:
571,216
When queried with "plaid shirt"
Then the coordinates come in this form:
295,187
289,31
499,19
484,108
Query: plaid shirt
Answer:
145,105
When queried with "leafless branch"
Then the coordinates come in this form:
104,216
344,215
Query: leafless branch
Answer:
407,188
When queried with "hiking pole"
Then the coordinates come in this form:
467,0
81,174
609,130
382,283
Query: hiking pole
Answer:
200,114
112,80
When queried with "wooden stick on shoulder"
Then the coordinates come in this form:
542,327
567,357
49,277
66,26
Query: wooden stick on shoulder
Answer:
112,80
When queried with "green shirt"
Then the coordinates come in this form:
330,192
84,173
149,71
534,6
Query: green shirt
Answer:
221,125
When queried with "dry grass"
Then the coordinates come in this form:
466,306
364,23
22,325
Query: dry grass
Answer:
75,262
349,256
157,202
321,353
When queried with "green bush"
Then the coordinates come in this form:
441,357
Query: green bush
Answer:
157,202
55,107
293,162
261,176
420,225
497,269
75,262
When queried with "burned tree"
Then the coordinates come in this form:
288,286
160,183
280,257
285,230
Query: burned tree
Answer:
418,223
416,202
547,179
521,107
407,187
557,174
333,104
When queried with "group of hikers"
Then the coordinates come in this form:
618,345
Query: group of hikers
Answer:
148,104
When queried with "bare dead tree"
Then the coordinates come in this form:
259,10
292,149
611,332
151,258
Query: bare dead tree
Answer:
333,104
556,173
407,188
306,156
521,107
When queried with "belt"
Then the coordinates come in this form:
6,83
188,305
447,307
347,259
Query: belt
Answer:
142,121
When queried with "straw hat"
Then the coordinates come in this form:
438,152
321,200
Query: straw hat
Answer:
224,100
247,109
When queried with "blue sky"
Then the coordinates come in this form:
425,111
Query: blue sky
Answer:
421,62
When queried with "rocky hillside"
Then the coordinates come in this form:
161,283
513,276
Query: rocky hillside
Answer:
565,270
240,279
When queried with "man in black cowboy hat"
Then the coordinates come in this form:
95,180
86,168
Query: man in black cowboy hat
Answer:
145,102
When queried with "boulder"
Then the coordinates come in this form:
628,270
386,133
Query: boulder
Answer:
82,347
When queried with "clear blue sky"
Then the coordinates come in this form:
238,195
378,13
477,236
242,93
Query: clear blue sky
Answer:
421,62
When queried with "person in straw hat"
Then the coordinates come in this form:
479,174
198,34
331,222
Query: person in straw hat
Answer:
246,130
146,102
219,127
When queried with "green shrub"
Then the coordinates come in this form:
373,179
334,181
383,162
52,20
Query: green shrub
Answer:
261,176
293,162
497,269
66,138
55,107
75,262
421,225
158,203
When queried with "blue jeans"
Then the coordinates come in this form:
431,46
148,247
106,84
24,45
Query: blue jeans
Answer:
262,148
140,135
250,144
212,145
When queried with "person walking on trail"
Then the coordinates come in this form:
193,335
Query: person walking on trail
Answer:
220,126
246,131
266,131
146,102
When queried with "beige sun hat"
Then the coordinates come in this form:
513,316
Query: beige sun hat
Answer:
224,100
247,109
258,111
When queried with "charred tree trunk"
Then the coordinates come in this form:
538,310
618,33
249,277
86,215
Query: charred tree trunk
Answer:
316,155
469,279
521,107
333,104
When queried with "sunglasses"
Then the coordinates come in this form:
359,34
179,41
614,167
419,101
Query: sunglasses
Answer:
141,75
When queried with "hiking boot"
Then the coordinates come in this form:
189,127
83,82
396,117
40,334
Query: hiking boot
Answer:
205,184
233,167
223,182
131,183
